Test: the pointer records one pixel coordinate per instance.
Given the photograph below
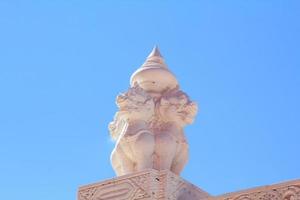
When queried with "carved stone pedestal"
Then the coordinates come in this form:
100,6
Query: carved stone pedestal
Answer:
149,184
165,185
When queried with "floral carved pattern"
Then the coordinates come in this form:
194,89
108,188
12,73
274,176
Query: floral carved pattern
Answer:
165,185
147,185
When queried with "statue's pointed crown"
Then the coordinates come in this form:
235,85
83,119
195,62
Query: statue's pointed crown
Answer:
155,57
154,75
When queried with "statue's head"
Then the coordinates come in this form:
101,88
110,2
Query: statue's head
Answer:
175,106
134,105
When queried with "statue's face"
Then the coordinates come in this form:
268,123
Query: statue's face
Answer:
178,108
136,105
133,105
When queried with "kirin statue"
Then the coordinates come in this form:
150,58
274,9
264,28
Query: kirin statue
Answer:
148,128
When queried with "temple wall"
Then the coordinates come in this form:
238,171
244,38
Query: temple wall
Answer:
282,191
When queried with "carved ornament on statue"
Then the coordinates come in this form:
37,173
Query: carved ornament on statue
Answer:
148,128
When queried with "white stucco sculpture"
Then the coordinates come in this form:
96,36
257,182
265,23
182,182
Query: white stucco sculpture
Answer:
148,128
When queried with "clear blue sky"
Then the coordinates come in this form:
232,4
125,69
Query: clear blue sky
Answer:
62,63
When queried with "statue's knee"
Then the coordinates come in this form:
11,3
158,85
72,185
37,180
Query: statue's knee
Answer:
145,143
